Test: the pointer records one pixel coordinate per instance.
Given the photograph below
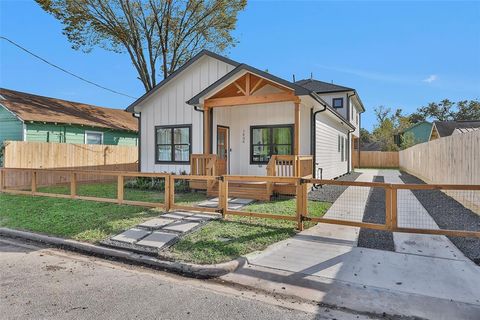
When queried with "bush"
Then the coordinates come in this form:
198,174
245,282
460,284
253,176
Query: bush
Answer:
157,184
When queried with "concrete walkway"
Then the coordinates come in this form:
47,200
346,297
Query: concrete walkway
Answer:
426,276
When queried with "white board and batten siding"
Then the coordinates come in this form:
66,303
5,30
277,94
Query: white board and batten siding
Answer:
167,107
240,118
327,155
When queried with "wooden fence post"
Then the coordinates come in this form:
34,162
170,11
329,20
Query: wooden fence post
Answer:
223,196
302,207
120,183
394,217
73,184
34,182
166,194
171,193
2,179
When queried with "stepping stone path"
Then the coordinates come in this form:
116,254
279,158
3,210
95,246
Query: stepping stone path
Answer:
233,203
159,233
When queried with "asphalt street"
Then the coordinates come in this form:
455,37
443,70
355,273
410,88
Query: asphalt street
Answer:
46,283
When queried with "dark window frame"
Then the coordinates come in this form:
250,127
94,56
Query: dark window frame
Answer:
172,144
337,99
271,144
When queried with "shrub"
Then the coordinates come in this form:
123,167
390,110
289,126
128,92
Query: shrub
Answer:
157,184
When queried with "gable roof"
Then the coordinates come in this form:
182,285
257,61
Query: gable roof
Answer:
446,128
321,86
299,90
31,107
415,125
199,55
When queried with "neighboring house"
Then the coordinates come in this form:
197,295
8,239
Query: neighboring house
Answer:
243,116
28,117
372,146
420,132
442,129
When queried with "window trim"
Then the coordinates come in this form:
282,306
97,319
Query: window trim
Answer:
290,126
172,144
92,132
333,103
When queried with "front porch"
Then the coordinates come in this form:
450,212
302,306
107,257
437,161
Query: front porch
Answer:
252,126
278,166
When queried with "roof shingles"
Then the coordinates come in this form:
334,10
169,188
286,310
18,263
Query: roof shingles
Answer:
30,107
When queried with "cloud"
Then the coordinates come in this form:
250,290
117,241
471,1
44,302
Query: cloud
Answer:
430,78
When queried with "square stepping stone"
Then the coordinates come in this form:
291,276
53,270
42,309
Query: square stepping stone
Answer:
131,235
241,201
177,215
157,239
202,217
155,223
208,204
181,226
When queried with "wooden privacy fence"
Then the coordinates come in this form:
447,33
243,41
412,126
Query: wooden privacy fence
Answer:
450,160
37,155
375,159
401,209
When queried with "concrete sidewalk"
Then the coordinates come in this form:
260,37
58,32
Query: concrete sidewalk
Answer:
324,264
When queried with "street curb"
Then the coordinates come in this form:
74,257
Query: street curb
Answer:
195,270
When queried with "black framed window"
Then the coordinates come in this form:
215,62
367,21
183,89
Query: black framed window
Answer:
337,102
173,144
266,141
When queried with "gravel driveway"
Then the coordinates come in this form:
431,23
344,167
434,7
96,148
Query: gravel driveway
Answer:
449,214
330,193
375,213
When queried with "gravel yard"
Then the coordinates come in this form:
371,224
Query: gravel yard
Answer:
449,214
330,193
375,213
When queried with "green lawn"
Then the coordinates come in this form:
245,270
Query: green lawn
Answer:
77,219
221,241
109,190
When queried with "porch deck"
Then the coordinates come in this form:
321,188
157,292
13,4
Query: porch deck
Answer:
278,166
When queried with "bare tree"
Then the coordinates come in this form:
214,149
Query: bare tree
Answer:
154,33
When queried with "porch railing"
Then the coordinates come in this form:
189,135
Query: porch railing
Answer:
290,166
203,164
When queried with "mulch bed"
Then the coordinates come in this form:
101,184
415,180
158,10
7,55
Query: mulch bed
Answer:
448,213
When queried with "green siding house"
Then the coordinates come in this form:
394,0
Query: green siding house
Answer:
28,117
420,132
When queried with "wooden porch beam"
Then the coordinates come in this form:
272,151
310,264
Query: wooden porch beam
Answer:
246,100
206,130
256,86
296,133
240,88
247,85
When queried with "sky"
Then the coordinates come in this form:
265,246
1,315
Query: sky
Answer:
396,54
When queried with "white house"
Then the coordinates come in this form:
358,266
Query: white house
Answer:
214,107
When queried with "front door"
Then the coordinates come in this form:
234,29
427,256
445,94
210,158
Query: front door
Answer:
223,149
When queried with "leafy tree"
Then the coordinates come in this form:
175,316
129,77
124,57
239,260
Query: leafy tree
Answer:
442,111
365,136
468,110
154,33
407,140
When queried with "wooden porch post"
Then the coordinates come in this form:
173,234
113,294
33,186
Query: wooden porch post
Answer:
296,134
206,130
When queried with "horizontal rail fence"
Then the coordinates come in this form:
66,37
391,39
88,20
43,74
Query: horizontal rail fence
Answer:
412,208
73,186
188,192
